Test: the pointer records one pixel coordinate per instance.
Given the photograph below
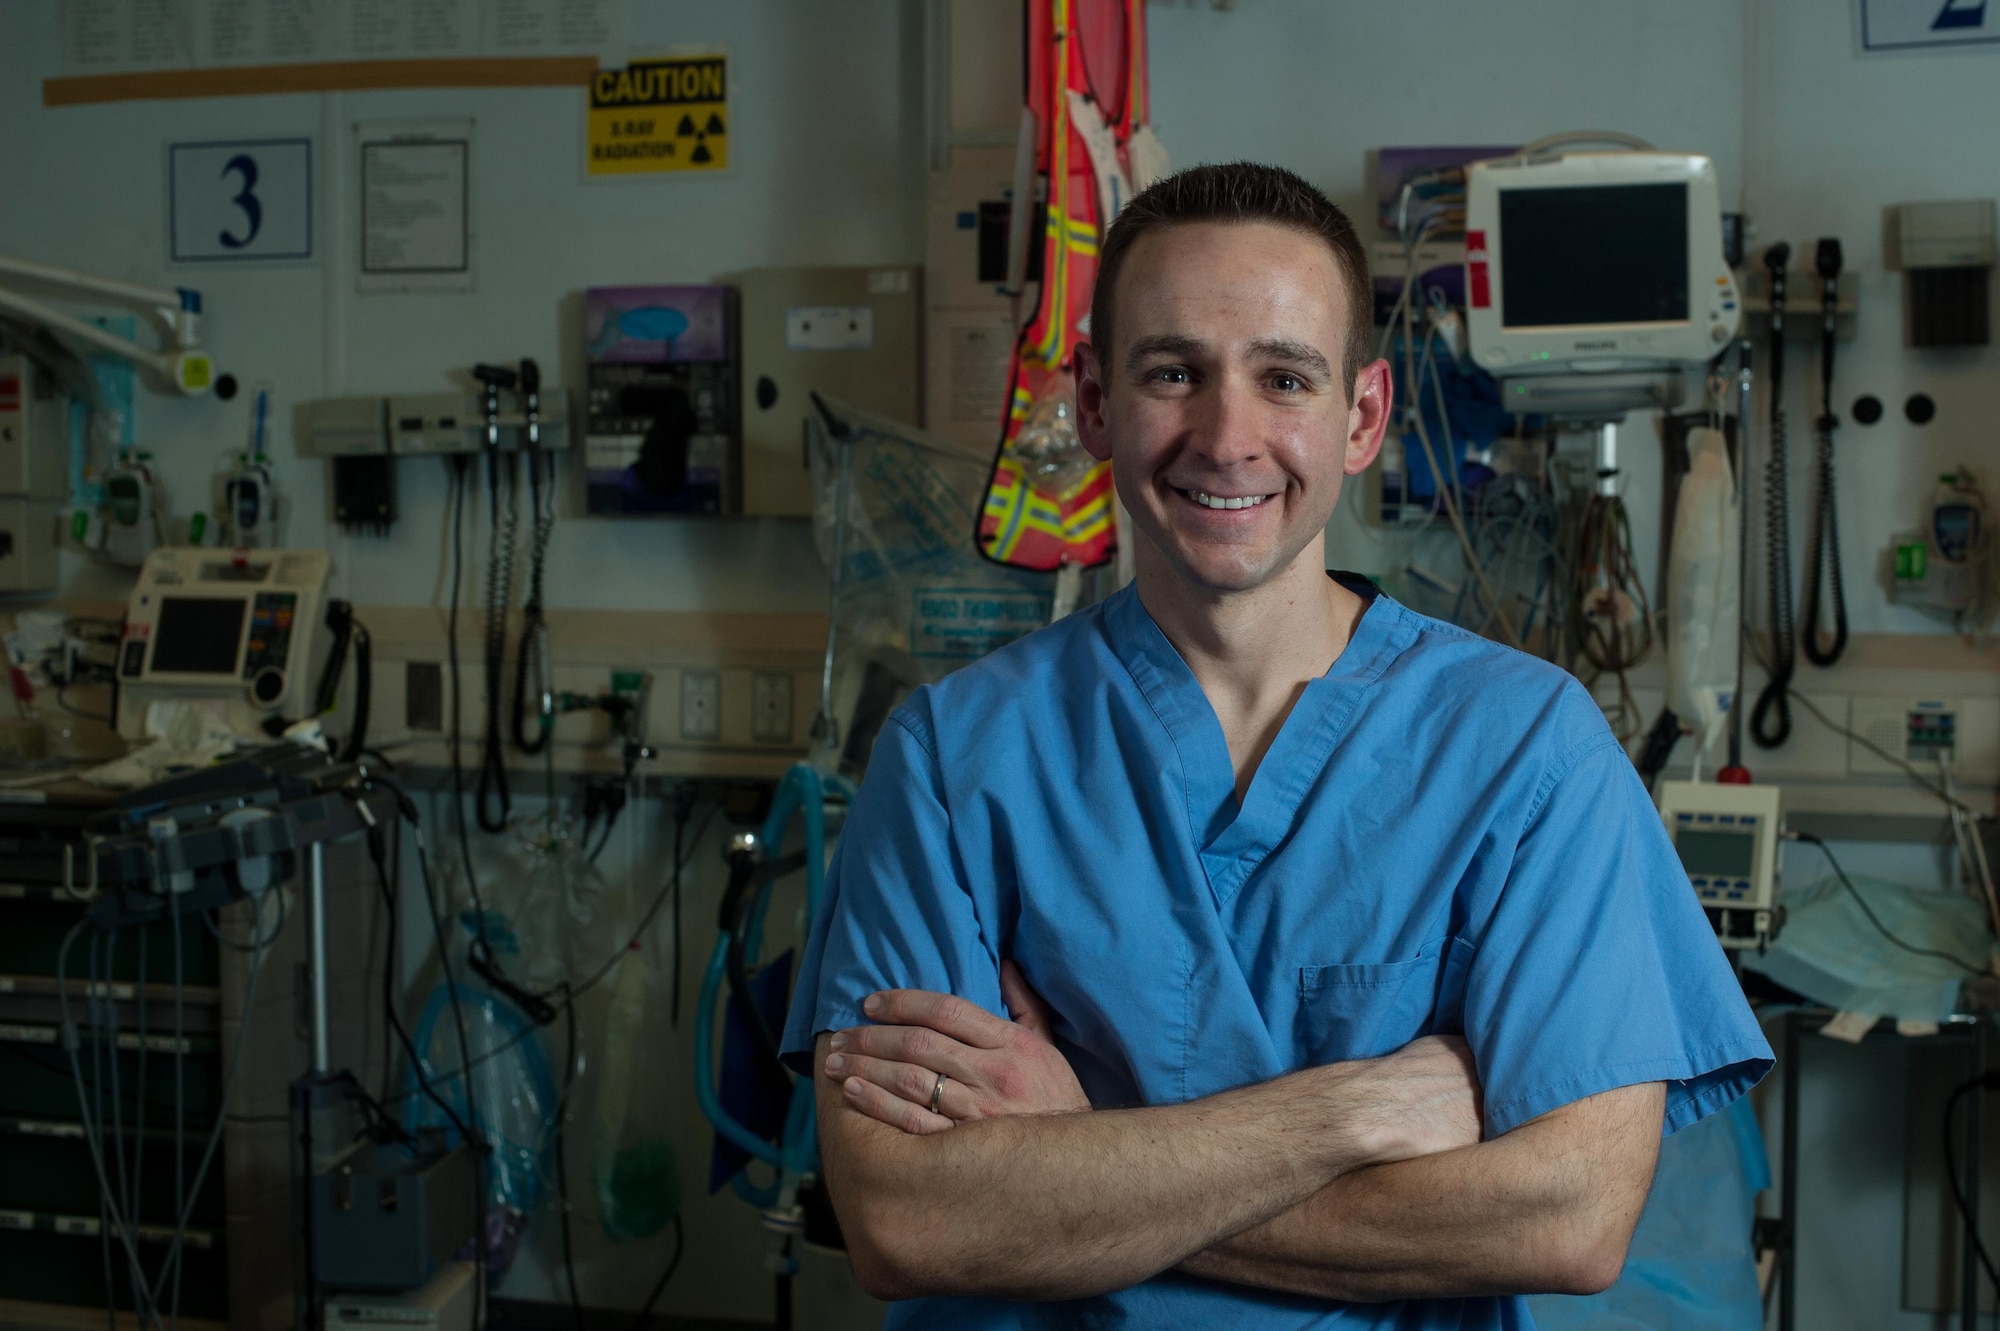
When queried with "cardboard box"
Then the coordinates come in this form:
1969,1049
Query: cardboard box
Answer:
849,333
966,360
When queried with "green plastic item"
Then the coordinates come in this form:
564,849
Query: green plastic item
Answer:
638,1180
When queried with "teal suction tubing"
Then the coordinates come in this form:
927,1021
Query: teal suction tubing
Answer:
797,1152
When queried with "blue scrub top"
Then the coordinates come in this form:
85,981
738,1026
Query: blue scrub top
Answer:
1445,837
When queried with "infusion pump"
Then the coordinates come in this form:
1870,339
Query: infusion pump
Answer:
239,631
1727,838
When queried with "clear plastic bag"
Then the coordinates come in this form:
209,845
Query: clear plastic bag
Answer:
512,1092
551,921
638,1182
894,510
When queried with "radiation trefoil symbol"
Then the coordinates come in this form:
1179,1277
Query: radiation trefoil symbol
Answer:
687,129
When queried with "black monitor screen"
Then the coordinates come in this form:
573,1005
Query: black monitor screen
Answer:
1717,854
1593,254
197,635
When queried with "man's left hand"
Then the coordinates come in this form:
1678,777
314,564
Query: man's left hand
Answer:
992,1068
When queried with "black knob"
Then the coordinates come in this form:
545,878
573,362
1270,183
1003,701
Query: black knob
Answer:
767,392
268,686
1867,409
1919,409
225,386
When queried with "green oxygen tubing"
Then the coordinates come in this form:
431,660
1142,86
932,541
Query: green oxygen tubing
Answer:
752,872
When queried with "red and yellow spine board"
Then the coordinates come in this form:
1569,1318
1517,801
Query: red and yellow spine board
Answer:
1096,48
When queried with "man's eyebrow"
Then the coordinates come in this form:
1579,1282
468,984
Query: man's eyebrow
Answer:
1163,344
1298,353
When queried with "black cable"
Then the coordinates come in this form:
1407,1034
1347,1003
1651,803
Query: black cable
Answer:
534,629
683,810
180,1093
596,977
494,801
364,686
462,473
104,1004
339,623
481,951
739,906
610,821
1951,1176
409,811
378,853
1880,928
137,1193
1771,718
1823,559
562,1163
391,961
256,945
673,1265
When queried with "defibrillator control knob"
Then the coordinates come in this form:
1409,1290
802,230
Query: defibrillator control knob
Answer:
268,685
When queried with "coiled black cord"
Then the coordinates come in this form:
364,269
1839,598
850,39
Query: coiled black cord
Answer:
1771,718
534,626
1823,561
493,803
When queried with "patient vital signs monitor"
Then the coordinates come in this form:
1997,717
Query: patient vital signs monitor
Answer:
1595,262
1727,837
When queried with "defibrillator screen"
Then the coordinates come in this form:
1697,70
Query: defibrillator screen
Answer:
1594,254
1717,854
198,635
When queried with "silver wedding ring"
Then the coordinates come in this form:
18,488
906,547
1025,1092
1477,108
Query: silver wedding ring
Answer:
937,1091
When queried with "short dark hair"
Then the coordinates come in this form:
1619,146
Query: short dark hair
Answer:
1241,192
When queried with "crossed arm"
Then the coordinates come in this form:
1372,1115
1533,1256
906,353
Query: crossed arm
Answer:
1356,1181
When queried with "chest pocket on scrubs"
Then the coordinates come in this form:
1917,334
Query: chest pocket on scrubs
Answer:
1366,1011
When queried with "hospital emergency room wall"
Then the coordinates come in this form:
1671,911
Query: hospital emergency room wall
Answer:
828,161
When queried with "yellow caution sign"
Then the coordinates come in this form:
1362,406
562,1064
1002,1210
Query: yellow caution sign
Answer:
669,114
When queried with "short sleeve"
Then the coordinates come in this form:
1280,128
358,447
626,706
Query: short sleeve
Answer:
1597,968
895,912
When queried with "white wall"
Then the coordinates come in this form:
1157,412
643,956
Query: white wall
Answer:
1314,86
1830,140
827,162
828,159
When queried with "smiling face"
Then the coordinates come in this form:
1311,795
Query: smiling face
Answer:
1222,404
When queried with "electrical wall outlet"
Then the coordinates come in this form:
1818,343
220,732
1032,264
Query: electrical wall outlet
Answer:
701,705
1964,731
771,707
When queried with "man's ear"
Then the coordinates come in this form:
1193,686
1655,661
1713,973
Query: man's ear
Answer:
1092,423
1368,417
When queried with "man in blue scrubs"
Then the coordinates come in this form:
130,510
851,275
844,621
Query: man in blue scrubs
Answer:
1248,950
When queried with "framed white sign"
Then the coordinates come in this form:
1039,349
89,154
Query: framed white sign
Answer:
416,206
1920,25
237,200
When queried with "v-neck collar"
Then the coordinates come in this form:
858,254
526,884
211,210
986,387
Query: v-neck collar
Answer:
1231,839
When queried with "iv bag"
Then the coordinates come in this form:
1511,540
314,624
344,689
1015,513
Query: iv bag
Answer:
1703,609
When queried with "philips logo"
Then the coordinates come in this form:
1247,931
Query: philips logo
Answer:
1596,344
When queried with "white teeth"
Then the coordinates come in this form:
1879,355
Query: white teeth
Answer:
1207,500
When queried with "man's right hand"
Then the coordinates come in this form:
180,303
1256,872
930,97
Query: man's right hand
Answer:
1422,1099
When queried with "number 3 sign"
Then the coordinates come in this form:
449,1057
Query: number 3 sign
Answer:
250,199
